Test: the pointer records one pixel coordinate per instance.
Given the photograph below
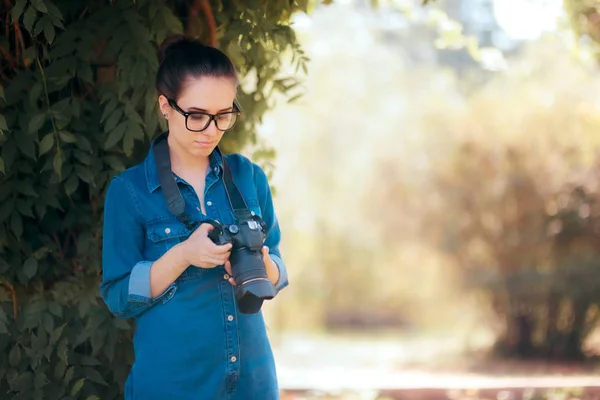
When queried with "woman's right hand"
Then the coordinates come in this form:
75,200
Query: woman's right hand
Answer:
200,251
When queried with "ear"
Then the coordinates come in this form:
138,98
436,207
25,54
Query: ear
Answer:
163,105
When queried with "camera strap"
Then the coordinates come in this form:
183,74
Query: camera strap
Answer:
172,194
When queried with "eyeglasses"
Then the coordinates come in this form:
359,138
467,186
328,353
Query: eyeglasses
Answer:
198,121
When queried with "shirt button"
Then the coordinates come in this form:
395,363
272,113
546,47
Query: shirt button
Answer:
168,230
226,276
233,359
230,318
209,203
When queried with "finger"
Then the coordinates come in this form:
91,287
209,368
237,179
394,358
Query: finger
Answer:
205,228
265,250
222,249
228,267
232,281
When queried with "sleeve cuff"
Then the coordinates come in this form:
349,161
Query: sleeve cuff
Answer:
282,282
139,284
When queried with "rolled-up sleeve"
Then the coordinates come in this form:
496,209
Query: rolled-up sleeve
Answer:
125,286
269,216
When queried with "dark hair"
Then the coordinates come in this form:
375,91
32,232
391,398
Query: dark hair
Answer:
181,57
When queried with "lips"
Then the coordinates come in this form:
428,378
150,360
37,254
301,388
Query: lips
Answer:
204,144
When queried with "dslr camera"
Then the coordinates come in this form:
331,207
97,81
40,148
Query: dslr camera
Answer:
247,266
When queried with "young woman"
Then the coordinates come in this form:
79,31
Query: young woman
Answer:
191,341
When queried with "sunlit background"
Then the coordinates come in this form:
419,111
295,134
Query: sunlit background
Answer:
437,187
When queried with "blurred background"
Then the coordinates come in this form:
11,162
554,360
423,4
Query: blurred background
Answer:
437,187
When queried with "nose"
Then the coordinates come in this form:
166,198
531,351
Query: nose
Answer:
211,129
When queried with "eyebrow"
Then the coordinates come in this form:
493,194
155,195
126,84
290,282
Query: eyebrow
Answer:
192,109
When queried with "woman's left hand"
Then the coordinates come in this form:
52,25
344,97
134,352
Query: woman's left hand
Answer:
272,269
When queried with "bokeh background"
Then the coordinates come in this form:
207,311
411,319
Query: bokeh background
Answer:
439,200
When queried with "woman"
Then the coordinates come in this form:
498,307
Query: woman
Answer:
191,341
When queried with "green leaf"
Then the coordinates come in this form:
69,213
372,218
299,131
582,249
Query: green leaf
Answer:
92,397
40,209
67,137
71,184
128,144
30,267
17,10
53,10
94,376
115,135
40,6
83,143
2,169
2,93
16,224
112,121
49,30
46,144
91,361
37,122
14,358
56,310
48,322
3,125
39,25
35,92
114,163
6,209
24,207
110,107
77,386
56,334
25,144
29,19
26,188
57,163
136,130
62,351
59,370
85,174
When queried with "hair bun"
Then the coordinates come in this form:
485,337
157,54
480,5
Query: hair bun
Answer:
170,43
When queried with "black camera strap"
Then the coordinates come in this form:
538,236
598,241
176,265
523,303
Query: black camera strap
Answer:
236,200
172,194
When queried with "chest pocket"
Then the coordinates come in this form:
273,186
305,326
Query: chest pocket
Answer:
163,234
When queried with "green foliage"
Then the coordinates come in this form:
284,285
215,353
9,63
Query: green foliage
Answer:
78,105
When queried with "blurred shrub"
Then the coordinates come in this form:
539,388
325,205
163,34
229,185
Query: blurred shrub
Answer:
512,200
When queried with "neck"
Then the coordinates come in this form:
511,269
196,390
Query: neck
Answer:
183,163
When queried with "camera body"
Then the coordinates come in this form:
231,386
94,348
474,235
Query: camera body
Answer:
247,266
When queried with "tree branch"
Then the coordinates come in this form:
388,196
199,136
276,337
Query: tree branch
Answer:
14,298
195,9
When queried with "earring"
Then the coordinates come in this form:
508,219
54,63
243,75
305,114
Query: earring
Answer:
165,115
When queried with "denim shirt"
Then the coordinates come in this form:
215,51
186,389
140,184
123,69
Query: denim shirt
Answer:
191,342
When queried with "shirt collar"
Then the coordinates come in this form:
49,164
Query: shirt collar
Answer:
215,162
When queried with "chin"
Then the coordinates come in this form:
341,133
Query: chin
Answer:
199,151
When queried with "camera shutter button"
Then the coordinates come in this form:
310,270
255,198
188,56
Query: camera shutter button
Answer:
233,229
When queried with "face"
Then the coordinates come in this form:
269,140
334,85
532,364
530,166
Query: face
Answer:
208,94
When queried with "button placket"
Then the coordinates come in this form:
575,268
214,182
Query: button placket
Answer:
231,332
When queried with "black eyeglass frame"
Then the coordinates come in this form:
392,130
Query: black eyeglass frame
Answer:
212,117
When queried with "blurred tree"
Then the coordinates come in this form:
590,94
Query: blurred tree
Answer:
584,18
78,105
513,201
